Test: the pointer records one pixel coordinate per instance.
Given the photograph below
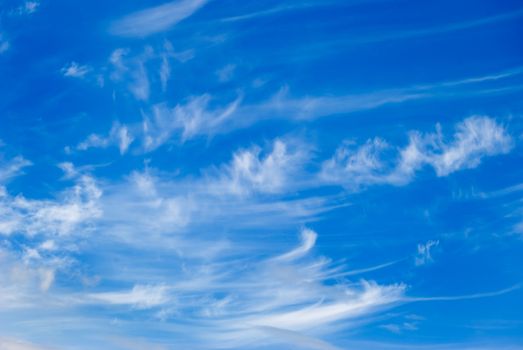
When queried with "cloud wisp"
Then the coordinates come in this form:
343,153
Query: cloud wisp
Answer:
205,175
233,306
200,116
119,136
218,290
156,19
474,138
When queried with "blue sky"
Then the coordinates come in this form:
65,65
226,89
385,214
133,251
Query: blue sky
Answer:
204,174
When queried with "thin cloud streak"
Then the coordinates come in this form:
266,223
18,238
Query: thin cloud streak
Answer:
448,28
156,19
468,296
195,118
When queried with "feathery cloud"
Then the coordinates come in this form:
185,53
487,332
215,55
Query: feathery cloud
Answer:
12,168
188,120
308,240
251,171
156,19
75,70
140,296
475,138
424,255
74,207
119,136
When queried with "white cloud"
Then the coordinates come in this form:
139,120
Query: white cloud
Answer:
308,240
360,303
247,303
424,255
291,294
124,139
119,136
75,70
156,19
165,72
476,137
282,105
27,277
252,171
131,70
285,106
376,162
74,207
47,278
140,87
399,328
140,296
188,120
199,115
12,168
234,293
355,167
93,141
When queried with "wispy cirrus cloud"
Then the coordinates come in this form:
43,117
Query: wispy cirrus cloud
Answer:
308,240
259,302
232,294
140,296
424,254
254,171
443,28
53,217
204,235
474,138
119,136
12,168
201,115
75,70
137,72
155,19
194,117
284,105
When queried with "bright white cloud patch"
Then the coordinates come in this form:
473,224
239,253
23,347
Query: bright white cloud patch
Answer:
61,216
155,19
252,171
475,138
376,162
